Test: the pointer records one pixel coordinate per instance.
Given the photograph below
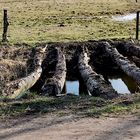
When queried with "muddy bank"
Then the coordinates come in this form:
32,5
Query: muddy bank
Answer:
13,61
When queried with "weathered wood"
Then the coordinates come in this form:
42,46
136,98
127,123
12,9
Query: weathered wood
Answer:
17,88
136,60
5,26
128,49
127,66
48,68
54,86
94,82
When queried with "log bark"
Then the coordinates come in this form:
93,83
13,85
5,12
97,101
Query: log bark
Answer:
128,49
94,82
54,85
17,88
48,68
125,65
136,60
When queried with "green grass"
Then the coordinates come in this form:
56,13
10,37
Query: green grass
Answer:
34,21
66,105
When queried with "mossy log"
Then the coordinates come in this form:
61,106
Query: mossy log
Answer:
54,85
94,82
17,88
125,65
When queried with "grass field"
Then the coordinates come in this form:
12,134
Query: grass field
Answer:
66,20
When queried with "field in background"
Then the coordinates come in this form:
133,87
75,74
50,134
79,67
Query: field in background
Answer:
66,20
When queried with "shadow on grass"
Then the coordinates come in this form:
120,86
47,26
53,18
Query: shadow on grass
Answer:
35,112
78,105
41,105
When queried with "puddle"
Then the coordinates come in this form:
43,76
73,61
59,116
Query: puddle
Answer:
123,84
72,87
76,88
125,18
119,86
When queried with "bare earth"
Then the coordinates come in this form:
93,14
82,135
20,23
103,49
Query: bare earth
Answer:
52,127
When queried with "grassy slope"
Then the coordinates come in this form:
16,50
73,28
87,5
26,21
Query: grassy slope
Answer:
40,20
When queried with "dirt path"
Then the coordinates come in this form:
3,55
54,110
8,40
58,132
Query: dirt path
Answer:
52,127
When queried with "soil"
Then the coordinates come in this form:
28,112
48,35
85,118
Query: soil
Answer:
52,127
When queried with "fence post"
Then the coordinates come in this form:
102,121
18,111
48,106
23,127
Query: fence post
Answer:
5,26
137,26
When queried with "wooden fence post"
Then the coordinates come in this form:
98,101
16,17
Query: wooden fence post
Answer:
5,26
137,26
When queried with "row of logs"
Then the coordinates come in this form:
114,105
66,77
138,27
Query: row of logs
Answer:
95,83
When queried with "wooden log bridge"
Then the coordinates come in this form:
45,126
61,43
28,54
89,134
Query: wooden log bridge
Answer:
124,64
17,88
54,85
94,82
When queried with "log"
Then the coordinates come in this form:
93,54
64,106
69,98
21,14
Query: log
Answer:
54,85
136,60
17,88
124,64
129,49
48,68
94,82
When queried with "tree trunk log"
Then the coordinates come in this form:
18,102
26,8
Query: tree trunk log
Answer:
94,82
136,60
15,89
54,85
128,67
129,49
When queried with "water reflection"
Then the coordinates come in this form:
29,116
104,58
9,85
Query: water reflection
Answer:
119,86
124,18
76,87
122,83
72,87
